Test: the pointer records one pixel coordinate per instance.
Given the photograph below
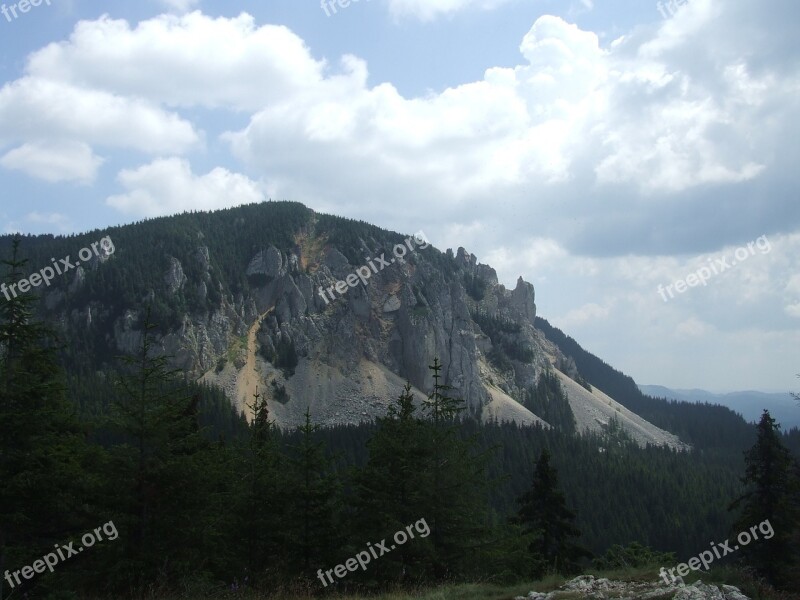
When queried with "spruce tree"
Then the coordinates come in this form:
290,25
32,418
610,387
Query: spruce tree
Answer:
44,487
771,495
262,515
550,524
390,490
159,464
314,529
456,484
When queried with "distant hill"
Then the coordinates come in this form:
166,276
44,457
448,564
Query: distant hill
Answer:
749,404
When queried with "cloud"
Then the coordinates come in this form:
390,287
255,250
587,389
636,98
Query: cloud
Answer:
54,161
168,186
34,109
580,141
693,327
655,134
243,67
602,168
62,222
587,312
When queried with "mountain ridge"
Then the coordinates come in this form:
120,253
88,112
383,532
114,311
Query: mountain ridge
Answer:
210,277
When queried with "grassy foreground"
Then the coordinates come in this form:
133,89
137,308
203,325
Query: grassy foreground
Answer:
488,591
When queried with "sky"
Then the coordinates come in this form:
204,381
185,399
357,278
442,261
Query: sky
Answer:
636,161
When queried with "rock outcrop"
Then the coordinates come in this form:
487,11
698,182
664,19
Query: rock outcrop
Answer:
587,586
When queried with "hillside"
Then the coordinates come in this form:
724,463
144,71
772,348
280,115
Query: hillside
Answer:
315,311
749,404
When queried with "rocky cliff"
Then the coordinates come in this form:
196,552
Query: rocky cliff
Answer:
340,327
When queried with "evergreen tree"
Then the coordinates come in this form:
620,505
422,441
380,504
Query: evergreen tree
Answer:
771,495
548,401
390,489
456,483
544,514
159,464
262,516
315,493
43,451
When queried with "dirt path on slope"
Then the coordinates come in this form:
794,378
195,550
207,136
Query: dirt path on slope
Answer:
249,378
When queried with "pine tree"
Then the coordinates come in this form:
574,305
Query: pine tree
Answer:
546,519
771,496
159,462
456,483
390,490
43,451
315,493
262,515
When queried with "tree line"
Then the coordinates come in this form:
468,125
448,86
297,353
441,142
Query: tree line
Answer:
205,500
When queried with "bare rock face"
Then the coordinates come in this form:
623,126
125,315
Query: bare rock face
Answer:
355,348
268,262
522,302
174,278
586,586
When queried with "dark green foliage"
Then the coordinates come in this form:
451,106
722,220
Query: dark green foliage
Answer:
158,462
772,495
455,478
134,273
279,392
547,400
549,524
499,359
262,510
632,556
494,326
580,380
705,426
505,342
314,525
391,490
201,497
284,356
475,286
43,453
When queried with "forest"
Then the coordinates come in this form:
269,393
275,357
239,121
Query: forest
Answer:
204,500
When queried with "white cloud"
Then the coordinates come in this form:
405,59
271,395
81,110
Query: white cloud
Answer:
693,327
60,221
587,312
36,109
183,61
54,161
605,169
168,186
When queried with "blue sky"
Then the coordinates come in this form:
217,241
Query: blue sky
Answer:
597,148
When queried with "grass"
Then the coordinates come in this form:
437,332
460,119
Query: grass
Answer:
490,591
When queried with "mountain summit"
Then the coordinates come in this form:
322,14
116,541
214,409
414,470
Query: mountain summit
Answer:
321,312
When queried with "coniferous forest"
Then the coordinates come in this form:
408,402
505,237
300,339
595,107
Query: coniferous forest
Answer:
188,497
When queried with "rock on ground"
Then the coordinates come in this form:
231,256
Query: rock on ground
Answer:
603,589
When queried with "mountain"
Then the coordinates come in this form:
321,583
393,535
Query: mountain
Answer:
316,311
750,404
